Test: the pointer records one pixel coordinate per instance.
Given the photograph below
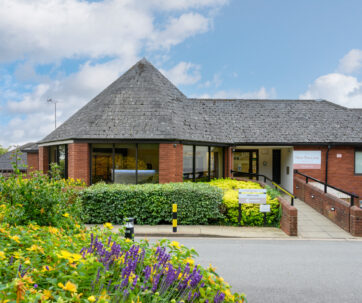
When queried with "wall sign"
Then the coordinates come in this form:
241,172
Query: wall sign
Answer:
307,159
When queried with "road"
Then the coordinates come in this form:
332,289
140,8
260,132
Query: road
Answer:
290,271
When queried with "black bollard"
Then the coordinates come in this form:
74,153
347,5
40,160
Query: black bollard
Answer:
129,233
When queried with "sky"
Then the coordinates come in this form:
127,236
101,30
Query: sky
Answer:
70,50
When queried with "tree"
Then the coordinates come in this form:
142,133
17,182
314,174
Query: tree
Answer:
3,150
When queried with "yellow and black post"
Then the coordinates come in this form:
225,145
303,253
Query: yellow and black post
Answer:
174,217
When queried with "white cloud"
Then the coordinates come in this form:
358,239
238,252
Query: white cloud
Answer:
351,62
49,31
338,88
184,73
262,93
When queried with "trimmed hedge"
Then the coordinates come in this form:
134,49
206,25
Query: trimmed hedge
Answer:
198,203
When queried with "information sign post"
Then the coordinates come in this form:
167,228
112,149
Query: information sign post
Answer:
253,196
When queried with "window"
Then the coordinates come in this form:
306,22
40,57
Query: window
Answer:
202,163
358,162
125,163
59,154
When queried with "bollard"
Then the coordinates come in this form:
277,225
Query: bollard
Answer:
174,217
129,233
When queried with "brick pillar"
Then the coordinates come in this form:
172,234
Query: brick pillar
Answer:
44,159
228,161
170,162
32,162
78,162
356,221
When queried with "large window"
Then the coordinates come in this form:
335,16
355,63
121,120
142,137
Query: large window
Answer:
59,154
125,163
202,163
358,162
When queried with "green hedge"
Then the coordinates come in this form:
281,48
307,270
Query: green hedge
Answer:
152,203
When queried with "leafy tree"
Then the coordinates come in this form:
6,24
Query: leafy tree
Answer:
3,150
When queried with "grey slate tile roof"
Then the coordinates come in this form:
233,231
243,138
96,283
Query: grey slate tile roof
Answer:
143,104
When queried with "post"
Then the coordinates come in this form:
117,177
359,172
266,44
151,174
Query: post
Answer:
239,217
264,219
129,233
291,201
174,217
352,201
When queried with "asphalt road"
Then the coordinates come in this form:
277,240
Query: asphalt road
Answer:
290,271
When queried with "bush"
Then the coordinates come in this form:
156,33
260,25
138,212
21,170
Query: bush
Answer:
250,214
152,203
39,199
48,264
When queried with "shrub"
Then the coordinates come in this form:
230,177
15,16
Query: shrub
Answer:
39,199
152,203
250,214
48,264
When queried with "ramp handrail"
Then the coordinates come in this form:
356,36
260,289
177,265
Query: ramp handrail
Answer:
307,178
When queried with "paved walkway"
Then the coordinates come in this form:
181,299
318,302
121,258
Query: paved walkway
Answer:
313,225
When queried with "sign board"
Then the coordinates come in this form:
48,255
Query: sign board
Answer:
264,208
252,196
307,159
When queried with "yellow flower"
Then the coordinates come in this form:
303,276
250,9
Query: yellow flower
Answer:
36,248
15,238
66,215
27,262
2,255
69,286
47,295
72,258
92,299
47,268
190,261
108,225
175,244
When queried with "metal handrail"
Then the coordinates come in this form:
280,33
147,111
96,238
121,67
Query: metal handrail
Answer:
292,197
352,195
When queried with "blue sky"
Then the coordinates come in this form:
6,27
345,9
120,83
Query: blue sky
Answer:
71,50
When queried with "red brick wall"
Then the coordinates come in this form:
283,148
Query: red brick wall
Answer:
78,162
44,159
32,162
356,221
340,170
170,162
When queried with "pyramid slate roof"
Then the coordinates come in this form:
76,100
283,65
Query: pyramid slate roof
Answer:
144,104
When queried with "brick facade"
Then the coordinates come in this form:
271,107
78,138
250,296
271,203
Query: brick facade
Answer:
78,161
340,169
170,162
32,162
44,159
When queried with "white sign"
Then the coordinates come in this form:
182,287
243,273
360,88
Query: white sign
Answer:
307,159
252,196
264,208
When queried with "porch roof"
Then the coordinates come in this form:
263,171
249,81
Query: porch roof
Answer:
143,104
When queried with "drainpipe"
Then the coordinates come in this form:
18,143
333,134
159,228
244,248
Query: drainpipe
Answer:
326,179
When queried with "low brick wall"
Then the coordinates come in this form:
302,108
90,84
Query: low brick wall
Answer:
289,219
333,208
356,221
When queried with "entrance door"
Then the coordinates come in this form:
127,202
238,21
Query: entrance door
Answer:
245,161
276,165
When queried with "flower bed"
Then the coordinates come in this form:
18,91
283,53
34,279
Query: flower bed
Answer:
250,214
49,264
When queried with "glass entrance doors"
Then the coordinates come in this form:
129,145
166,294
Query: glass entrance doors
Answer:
246,161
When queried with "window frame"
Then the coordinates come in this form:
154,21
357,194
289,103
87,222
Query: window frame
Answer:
357,150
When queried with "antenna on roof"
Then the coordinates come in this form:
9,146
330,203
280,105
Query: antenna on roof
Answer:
51,101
